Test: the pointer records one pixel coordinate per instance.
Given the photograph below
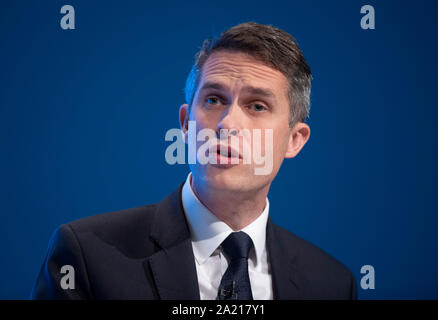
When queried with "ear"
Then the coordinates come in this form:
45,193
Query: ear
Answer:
184,119
299,135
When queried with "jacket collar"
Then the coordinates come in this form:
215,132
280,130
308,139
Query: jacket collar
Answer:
288,281
173,268
170,226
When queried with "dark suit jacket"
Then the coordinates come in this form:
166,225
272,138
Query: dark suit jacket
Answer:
146,253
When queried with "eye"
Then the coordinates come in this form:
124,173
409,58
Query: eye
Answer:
214,101
257,107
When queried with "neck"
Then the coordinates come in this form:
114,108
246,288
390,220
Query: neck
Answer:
236,209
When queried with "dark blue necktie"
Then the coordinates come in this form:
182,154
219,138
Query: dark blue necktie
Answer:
235,283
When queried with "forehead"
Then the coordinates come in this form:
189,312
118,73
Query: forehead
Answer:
237,69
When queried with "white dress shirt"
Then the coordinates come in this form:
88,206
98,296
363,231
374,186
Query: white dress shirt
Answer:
207,234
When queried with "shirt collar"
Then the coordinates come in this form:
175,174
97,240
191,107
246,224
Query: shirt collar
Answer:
208,232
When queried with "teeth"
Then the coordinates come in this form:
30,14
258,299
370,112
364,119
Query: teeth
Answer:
224,152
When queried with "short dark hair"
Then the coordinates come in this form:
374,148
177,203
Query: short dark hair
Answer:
271,46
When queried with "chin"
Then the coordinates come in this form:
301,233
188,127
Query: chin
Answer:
237,179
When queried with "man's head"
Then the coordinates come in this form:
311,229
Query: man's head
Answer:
253,77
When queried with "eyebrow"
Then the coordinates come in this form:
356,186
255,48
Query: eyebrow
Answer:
250,89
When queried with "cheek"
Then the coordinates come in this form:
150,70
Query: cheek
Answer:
203,120
281,142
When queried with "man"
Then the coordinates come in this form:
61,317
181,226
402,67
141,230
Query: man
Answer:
212,238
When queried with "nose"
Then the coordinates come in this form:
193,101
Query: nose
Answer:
231,120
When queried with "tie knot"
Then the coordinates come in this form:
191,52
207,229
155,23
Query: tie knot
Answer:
237,245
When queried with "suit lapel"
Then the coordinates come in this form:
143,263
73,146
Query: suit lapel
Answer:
287,281
173,268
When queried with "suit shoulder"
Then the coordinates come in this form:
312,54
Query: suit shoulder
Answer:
127,229
318,274
311,256
122,219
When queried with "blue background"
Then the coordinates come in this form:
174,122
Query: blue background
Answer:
83,114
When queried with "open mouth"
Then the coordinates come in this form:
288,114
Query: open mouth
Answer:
227,155
227,152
